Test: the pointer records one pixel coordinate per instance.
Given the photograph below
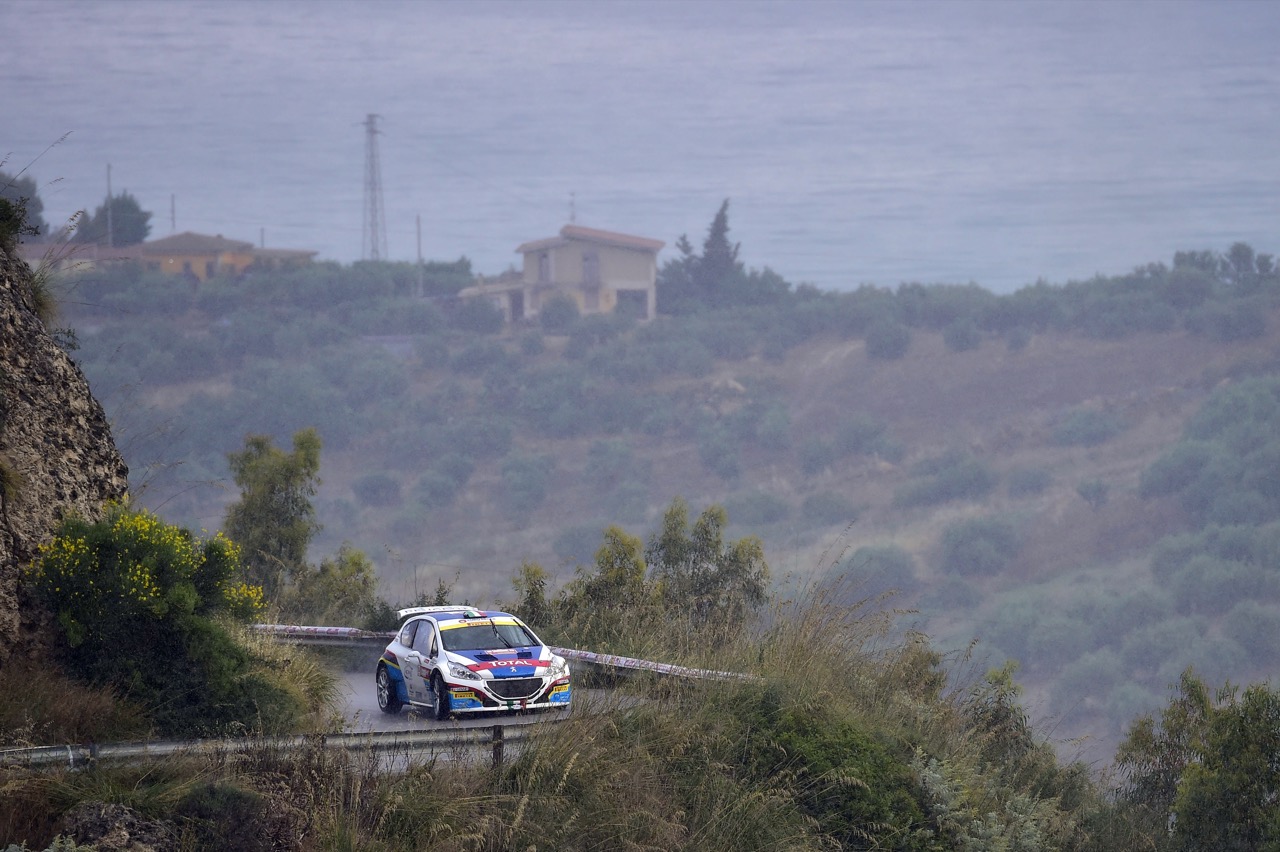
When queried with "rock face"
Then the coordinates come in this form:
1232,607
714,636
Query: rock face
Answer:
116,827
57,456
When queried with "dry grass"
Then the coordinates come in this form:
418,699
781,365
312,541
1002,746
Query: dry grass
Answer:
39,706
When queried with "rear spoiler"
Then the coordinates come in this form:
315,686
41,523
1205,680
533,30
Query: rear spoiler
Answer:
422,610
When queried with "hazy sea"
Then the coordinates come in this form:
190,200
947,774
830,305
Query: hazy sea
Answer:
994,142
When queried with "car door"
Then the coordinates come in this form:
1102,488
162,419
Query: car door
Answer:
417,663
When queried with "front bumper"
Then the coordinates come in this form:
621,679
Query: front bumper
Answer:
509,694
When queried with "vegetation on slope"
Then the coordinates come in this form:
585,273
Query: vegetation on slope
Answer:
999,442
845,733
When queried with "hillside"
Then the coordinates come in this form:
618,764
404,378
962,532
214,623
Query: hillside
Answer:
994,484
57,456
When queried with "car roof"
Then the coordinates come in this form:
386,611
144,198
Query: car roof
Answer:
452,611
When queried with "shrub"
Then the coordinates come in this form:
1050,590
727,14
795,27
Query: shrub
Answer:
609,464
1087,427
953,476
688,356
1227,322
1093,673
962,335
873,571
1017,339
1028,482
129,582
366,379
432,351
532,344
589,332
1256,627
728,339
480,355
435,489
1205,653
627,365
887,339
1058,639
825,751
558,314
524,482
377,489
1210,585
979,546
477,315
1177,469
1094,492
478,437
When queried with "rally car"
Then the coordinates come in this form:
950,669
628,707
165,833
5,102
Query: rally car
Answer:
457,659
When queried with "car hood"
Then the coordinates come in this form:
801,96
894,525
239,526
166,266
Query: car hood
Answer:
509,662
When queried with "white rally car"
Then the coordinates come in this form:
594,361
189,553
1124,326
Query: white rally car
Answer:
458,659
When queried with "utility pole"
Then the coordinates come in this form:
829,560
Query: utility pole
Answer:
111,235
421,286
375,216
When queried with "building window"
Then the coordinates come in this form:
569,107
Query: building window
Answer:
590,267
544,268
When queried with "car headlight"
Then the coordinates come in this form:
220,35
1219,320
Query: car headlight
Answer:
559,667
462,672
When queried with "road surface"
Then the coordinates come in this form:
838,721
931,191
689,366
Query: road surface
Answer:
360,709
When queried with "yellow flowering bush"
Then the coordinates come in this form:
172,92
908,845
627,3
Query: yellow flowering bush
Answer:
131,566
140,603
244,601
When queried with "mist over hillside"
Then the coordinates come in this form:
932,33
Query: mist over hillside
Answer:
1033,471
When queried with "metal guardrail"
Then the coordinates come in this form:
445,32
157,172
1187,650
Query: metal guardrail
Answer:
355,637
494,737
415,742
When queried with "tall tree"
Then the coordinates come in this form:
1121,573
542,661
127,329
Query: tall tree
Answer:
715,279
1209,767
717,583
718,270
341,590
20,192
274,521
126,224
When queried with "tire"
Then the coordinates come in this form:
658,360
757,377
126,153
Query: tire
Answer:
388,701
442,697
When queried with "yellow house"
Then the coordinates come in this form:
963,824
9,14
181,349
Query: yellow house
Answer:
196,255
601,271
203,257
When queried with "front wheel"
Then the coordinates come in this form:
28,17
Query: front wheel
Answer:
441,693
388,701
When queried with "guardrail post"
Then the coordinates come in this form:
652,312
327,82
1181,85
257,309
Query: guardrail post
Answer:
497,746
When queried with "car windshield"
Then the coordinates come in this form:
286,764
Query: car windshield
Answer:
486,637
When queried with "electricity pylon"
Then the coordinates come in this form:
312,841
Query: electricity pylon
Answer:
375,216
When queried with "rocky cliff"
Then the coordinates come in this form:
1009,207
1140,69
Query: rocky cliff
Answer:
57,455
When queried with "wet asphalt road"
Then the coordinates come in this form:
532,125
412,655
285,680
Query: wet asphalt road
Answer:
360,709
